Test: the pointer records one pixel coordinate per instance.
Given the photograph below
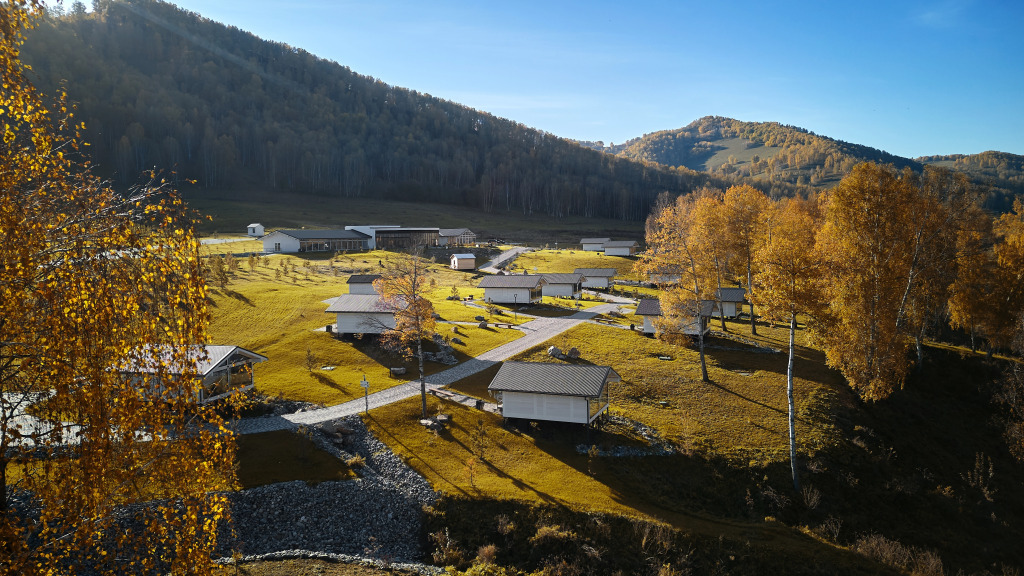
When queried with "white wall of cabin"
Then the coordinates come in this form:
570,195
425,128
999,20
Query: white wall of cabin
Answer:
364,322
544,407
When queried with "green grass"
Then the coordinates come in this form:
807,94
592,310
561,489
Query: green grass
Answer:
283,317
566,261
283,456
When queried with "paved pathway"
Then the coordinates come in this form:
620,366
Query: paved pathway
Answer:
503,258
535,332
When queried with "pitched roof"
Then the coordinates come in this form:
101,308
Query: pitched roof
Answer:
365,303
652,307
648,307
512,281
731,294
254,224
594,240
572,278
362,278
621,244
597,272
547,378
206,358
324,234
447,232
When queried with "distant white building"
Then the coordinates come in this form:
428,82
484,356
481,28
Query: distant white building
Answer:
362,284
362,314
731,300
563,285
455,237
593,244
621,248
650,309
293,241
463,262
255,230
597,277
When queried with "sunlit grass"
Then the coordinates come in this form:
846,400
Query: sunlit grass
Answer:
566,261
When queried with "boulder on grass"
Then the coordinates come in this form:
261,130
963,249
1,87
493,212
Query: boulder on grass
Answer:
398,371
554,351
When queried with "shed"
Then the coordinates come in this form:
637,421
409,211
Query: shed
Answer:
291,241
731,301
221,370
563,285
576,393
593,244
455,237
597,277
514,289
463,262
362,284
362,314
621,248
650,309
255,230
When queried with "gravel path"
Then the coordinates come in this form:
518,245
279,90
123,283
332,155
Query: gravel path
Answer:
535,332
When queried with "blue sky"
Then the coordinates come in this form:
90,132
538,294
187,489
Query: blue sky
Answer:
912,78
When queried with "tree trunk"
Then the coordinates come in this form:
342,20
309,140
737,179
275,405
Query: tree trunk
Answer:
423,380
721,310
750,291
792,408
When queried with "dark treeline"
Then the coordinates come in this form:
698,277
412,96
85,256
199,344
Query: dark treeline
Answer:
158,87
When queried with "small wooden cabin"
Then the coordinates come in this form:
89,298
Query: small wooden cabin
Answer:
576,393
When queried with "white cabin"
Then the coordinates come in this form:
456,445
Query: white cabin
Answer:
575,393
255,230
513,289
361,314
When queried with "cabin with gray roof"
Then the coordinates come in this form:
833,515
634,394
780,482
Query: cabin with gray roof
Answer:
219,370
362,284
650,309
255,230
575,393
563,285
731,300
621,248
593,244
513,289
597,277
361,314
295,241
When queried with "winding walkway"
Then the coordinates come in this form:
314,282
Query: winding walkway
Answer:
502,259
535,332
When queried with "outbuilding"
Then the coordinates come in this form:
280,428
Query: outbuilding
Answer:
255,230
361,314
650,309
455,237
575,393
593,244
597,277
563,285
513,289
731,301
621,248
463,262
362,284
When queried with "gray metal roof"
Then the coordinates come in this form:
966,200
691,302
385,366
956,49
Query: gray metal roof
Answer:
512,281
648,307
205,358
621,244
583,380
448,232
324,234
731,294
573,278
362,278
597,272
594,240
463,256
365,303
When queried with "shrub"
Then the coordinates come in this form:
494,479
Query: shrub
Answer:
356,461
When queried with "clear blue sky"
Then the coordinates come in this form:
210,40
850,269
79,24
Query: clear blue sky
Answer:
912,78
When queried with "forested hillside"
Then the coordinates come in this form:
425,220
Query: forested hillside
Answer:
160,87
773,153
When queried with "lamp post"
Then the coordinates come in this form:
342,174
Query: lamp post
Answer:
366,392
515,307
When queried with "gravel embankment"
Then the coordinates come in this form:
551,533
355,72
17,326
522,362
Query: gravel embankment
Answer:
375,517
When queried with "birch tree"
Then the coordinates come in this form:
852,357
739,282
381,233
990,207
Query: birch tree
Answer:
747,216
789,277
403,287
101,472
673,251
